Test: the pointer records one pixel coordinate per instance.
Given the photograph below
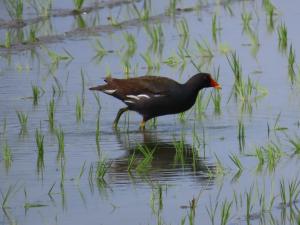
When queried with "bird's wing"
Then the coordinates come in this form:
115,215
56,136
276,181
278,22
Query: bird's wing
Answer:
146,85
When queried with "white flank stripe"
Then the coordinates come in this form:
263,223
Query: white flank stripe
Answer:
158,95
133,96
128,101
143,96
110,91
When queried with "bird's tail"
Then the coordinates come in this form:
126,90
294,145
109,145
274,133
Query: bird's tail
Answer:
98,88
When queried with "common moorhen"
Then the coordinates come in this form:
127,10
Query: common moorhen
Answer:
153,96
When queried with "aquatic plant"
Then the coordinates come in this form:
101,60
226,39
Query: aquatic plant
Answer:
282,36
7,39
204,49
100,50
6,196
241,134
295,142
35,94
183,28
246,18
236,162
6,155
214,27
23,121
39,139
79,110
15,9
225,212
78,5
291,64
101,169
51,115
60,136
147,154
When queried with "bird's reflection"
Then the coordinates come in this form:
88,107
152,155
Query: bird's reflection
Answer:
149,158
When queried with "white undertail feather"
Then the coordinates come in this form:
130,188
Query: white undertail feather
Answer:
128,101
143,96
109,91
133,96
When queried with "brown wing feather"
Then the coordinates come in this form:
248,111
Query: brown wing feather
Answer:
142,85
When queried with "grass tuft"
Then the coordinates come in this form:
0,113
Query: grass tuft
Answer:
23,118
51,112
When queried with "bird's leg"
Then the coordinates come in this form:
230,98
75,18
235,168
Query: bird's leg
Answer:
120,112
142,124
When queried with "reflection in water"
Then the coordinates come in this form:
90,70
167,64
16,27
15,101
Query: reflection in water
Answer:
153,160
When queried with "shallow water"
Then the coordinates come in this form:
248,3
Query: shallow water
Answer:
65,190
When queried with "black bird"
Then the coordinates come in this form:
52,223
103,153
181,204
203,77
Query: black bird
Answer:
153,96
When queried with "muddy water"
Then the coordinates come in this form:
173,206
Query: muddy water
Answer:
66,191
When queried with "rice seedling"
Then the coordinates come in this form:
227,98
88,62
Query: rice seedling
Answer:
56,58
131,44
60,136
273,154
236,68
131,161
51,114
295,142
6,155
172,61
39,139
35,94
220,169
249,206
32,36
15,9
172,7
183,28
293,191
157,37
82,169
246,18
181,117
42,8
225,212
216,96
78,6
236,162
201,105
291,64
101,169
7,39
6,196
204,49
147,58
214,27
212,210
143,14
100,50
180,150
261,159
57,88
23,118
270,10
98,135
241,135
79,110
147,154
282,36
